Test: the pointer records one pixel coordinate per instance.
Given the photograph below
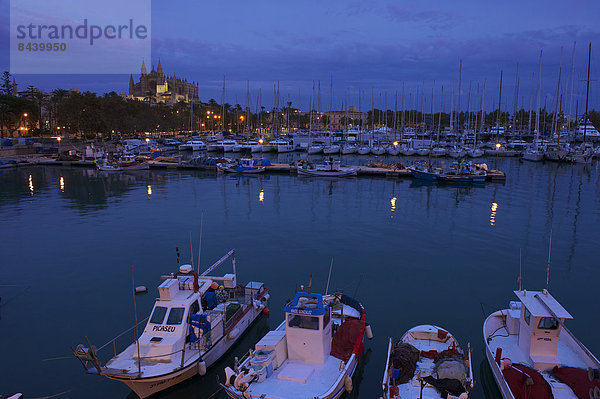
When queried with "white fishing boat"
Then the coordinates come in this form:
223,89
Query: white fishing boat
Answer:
531,352
313,353
193,145
105,166
191,326
427,363
326,169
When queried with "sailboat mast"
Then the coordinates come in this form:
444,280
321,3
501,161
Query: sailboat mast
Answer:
555,121
537,112
572,84
498,121
223,107
587,93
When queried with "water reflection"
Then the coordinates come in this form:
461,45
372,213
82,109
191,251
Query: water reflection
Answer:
31,184
261,195
62,184
493,214
393,204
149,191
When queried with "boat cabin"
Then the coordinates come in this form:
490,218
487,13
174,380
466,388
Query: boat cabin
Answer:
308,328
533,319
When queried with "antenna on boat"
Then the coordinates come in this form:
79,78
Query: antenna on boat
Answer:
200,243
548,265
191,251
520,279
309,284
137,337
177,252
329,277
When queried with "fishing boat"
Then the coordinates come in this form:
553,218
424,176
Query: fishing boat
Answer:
131,162
313,353
244,166
326,169
532,353
424,171
104,165
427,362
464,172
193,323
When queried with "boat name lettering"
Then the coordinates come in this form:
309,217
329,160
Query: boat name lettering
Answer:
544,339
301,311
164,328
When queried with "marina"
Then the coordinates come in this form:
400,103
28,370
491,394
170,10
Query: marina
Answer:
478,232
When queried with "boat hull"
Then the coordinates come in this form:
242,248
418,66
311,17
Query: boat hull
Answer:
145,387
242,170
423,174
326,173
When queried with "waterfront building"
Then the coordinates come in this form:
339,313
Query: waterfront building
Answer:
337,118
155,87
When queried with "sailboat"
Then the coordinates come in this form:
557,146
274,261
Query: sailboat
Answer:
534,154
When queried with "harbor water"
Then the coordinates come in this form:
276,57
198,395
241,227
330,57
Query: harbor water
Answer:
411,252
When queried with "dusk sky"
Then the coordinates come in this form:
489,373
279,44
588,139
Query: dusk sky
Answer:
376,44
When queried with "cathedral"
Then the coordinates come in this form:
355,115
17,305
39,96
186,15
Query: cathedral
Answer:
155,87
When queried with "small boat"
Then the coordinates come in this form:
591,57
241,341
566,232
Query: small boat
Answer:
282,145
326,169
533,155
407,151
364,150
378,150
582,154
423,171
427,362
245,165
315,149
193,145
422,151
475,152
349,149
438,152
331,149
228,145
464,172
393,150
193,323
313,353
131,162
105,166
252,146
529,349
457,152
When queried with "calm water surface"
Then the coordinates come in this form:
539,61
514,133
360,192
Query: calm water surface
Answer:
412,253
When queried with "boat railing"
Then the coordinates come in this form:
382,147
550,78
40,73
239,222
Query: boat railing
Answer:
233,318
113,341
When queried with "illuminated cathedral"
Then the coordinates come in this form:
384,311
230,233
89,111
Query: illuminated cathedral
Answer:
155,87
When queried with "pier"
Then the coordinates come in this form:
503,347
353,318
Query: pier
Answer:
274,168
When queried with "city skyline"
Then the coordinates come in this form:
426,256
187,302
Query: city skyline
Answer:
375,47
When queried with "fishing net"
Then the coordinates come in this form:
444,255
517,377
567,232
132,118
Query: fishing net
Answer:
404,359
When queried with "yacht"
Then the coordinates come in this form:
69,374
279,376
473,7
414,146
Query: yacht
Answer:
193,145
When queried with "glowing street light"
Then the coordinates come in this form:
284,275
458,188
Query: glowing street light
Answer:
25,114
498,145
395,144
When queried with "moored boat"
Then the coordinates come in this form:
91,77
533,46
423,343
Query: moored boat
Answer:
193,323
244,166
464,172
529,349
326,169
423,171
427,362
313,353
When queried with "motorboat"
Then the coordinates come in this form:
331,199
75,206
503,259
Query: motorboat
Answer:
331,149
463,172
193,145
196,319
530,351
228,145
283,145
588,128
533,155
328,168
428,363
424,171
349,149
313,353
315,149
244,166
252,146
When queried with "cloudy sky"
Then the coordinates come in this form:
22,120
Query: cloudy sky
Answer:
370,46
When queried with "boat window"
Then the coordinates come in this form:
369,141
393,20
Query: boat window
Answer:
158,315
306,322
195,308
326,318
527,316
175,316
548,323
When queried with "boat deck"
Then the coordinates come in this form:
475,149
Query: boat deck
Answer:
296,379
566,354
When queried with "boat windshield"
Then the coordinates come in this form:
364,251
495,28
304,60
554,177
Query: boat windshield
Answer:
175,316
305,322
158,315
548,323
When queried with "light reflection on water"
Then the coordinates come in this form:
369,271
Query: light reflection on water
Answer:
443,257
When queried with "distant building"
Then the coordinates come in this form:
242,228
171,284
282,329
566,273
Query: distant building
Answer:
155,87
337,118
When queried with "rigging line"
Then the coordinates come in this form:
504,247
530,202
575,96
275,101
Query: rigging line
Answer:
68,390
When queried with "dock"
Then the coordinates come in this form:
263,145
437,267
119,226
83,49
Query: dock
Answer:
274,168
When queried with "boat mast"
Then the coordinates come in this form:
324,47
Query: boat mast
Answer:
514,125
223,108
537,112
483,106
499,110
572,86
587,93
440,116
402,116
555,121
531,101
